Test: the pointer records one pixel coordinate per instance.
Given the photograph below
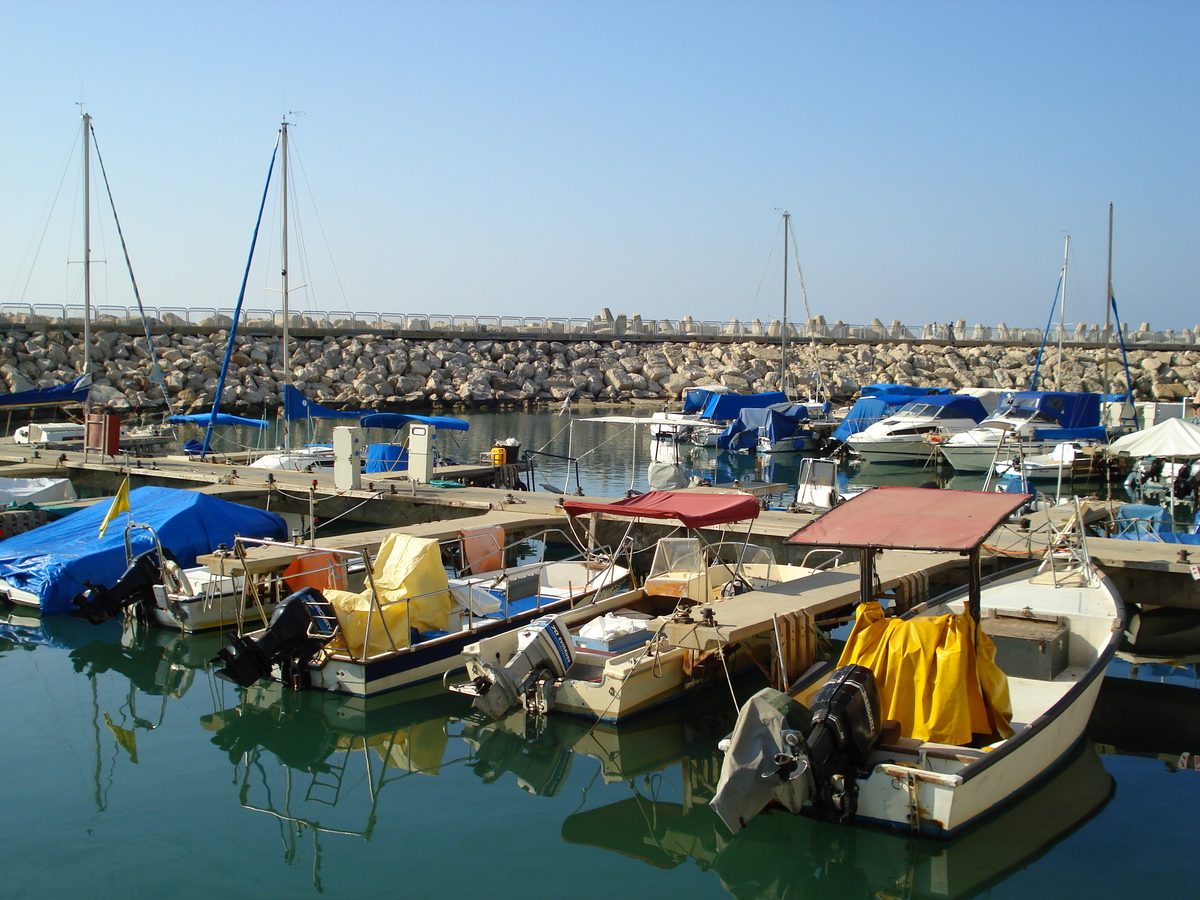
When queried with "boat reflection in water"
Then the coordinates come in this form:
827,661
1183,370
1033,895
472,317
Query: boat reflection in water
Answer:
785,856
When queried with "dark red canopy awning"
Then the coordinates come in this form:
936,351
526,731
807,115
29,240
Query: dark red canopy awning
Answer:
694,510
904,518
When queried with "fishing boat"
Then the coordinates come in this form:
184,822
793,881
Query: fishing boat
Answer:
412,620
936,718
607,660
910,433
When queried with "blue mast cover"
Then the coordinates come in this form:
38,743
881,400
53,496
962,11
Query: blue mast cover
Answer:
55,560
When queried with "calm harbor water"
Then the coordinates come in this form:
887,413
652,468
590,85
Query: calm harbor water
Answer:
132,771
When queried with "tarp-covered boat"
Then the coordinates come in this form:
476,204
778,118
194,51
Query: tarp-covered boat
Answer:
48,566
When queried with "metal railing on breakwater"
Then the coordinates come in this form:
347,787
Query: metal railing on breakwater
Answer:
605,327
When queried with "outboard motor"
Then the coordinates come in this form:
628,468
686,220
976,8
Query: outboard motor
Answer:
135,586
299,629
545,652
783,752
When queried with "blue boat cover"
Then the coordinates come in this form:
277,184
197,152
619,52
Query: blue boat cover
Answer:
73,392
868,410
776,423
965,405
222,419
296,406
1069,409
399,420
912,390
55,560
1095,433
724,407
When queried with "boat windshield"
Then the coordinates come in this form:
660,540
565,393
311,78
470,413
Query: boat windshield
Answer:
1022,414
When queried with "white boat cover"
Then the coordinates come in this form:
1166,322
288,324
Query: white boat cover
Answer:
1170,439
36,490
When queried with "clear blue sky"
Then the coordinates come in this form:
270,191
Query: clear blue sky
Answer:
554,158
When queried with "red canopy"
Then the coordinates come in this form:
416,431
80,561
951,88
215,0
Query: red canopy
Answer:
904,518
695,510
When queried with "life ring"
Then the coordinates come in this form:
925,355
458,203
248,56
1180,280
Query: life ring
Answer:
175,580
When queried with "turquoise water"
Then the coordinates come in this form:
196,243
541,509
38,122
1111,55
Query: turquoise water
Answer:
131,771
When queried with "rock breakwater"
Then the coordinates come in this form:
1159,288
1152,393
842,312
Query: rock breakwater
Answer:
366,372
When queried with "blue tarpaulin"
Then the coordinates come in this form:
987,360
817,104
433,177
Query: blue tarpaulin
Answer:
55,560
776,423
73,392
296,406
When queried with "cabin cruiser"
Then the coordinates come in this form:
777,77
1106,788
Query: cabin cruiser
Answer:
1037,419
908,434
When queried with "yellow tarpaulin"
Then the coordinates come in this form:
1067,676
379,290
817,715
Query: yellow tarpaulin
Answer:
413,592
932,676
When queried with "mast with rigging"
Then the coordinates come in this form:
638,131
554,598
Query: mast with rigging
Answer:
285,351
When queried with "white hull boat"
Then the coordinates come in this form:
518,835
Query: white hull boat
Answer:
924,746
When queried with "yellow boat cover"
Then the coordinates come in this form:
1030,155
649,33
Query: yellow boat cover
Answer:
934,677
413,593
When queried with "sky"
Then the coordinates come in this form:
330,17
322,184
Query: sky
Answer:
558,158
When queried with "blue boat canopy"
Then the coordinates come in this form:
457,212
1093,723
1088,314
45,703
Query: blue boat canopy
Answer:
868,410
966,406
399,420
73,392
1069,409
911,390
55,560
296,406
724,406
222,419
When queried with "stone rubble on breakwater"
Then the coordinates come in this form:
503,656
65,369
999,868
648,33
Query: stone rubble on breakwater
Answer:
362,371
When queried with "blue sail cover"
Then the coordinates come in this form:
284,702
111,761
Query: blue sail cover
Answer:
73,392
776,423
222,419
296,406
399,420
55,560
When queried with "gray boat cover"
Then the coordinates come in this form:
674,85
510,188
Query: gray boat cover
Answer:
742,791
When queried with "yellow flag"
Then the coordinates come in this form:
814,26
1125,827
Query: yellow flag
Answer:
120,504
125,737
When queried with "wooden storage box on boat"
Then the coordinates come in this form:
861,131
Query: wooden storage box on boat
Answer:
1028,647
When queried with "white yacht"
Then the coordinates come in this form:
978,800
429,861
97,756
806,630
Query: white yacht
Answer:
911,432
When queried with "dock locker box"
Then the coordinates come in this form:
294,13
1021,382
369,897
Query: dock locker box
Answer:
1028,648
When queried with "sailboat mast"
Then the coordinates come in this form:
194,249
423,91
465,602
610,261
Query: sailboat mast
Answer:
287,362
1108,292
783,338
1062,317
87,248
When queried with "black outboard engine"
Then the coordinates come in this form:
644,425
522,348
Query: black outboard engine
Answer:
136,586
845,729
780,751
299,629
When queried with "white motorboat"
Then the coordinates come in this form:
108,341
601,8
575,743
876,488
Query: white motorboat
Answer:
911,433
932,721
1039,420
